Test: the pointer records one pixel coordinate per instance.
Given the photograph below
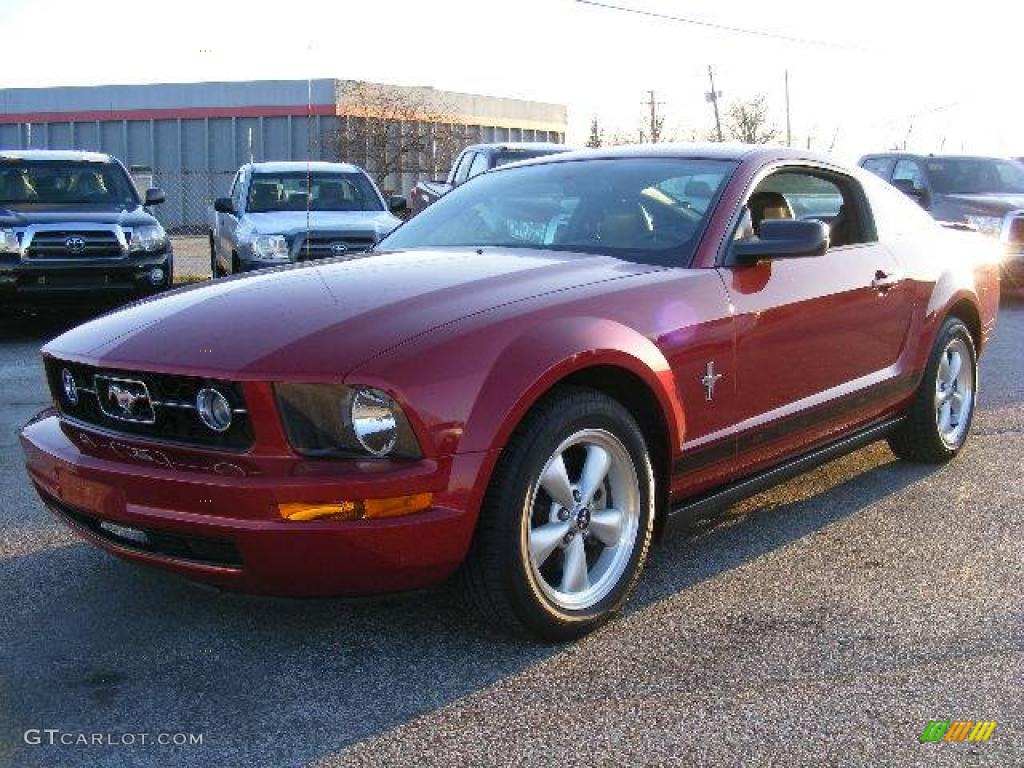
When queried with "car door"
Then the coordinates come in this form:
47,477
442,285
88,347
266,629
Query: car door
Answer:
222,250
817,338
229,221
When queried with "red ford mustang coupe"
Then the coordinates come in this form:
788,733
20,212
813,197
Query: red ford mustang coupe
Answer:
522,383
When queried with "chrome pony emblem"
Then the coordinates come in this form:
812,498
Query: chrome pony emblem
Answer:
125,400
709,380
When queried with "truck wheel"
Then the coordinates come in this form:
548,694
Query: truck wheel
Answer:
939,419
566,524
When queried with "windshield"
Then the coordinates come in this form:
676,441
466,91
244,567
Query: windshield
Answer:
976,176
647,210
30,182
298,191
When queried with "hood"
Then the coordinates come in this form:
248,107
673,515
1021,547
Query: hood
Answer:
25,215
994,203
290,223
317,321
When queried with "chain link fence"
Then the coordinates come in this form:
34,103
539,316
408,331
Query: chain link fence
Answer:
187,216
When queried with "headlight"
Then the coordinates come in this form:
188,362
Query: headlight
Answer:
334,420
986,225
270,247
150,237
8,241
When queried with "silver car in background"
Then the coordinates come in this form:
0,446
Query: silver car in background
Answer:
284,212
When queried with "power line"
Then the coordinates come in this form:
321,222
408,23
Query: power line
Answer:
714,25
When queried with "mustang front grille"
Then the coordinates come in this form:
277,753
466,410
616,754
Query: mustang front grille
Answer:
153,405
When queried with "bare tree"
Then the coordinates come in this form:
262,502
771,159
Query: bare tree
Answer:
747,121
391,130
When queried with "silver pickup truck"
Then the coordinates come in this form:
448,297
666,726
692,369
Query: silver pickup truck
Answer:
473,161
294,211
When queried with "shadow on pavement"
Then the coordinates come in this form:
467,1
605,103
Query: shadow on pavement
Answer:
95,644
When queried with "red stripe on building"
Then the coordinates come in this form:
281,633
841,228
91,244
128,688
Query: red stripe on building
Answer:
172,113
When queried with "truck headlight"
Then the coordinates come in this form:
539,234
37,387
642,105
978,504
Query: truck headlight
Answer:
148,238
332,420
8,241
986,225
270,247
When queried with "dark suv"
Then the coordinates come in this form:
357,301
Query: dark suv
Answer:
73,229
984,193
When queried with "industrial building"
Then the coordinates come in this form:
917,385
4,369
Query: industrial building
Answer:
192,137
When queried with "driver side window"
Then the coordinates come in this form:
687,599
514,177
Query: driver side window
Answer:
807,195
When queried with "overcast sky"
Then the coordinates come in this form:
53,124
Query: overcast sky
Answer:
866,75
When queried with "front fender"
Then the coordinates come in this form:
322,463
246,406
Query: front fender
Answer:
542,356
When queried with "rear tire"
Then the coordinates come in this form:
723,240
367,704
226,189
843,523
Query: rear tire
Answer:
938,421
567,521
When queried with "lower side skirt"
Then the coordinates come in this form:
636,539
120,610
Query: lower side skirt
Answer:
724,496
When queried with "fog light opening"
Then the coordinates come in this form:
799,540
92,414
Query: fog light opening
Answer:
156,276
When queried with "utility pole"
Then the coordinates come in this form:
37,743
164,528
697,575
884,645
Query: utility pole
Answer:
789,128
713,97
654,132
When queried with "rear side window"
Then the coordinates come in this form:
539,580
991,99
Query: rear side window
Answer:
880,166
813,195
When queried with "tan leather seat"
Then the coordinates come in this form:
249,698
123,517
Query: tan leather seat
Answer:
768,205
625,227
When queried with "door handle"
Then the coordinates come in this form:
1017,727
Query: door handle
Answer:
885,280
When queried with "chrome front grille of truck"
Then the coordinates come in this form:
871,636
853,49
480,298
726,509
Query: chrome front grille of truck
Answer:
324,246
73,244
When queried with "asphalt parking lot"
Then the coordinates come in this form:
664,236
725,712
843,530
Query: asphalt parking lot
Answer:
823,623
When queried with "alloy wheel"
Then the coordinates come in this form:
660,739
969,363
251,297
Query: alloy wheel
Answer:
954,392
582,519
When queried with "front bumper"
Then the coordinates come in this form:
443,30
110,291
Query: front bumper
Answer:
83,281
212,517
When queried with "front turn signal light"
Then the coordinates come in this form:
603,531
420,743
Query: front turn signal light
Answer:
367,509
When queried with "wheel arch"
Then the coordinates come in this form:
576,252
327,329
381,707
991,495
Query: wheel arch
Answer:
595,353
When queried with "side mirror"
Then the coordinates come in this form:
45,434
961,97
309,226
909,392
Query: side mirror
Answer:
223,205
397,204
783,239
155,196
920,194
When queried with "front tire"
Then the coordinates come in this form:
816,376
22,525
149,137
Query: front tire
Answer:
567,521
938,421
